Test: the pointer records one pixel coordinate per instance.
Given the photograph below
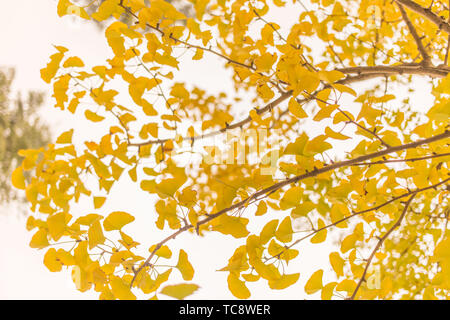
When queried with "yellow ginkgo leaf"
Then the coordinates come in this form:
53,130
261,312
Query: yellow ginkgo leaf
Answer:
268,232
188,197
348,242
251,277
179,291
179,91
39,239
51,261
93,116
18,179
317,145
291,198
337,263
169,186
303,209
127,241
121,289
234,226
185,267
98,202
237,287
56,225
198,54
328,290
88,219
65,138
320,236
238,261
65,257
442,250
347,286
105,10
325,112
31,223
163,252
106,295
314,283
296,109
284,231
95,235
65,7
285,281
335,135
73,62
262,208
346,89
264,62
49,72
133,174
116,220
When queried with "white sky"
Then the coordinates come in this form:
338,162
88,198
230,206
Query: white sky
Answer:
28,30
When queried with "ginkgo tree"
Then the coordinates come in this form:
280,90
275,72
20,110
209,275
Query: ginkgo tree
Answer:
373,175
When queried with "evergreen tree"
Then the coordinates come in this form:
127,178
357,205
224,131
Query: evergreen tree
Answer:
20,128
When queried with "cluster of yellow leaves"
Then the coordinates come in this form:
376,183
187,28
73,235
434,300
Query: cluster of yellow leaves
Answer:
273,65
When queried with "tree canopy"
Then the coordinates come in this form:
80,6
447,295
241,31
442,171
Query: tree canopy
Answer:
333,147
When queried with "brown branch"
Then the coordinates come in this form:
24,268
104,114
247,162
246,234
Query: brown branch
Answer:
350,120
413,69
380,243
187,44
266,108
235,125
194,46
336,54
446,51
364,128
286,182
354,214
402,160
426,13
448,41
307,63
364,73
413,31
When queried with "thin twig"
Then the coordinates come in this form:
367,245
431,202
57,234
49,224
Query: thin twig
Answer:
413,31
358,213
402,160
427,13
363,73
448,41
286,182
380,243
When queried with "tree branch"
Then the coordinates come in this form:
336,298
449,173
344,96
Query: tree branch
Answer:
354,214
266,108
415,69
187,44
364,73
402,160
380,243
350,120
448,41
427,13
295,179
412,30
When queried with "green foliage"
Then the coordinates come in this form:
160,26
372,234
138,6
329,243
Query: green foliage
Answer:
20,128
